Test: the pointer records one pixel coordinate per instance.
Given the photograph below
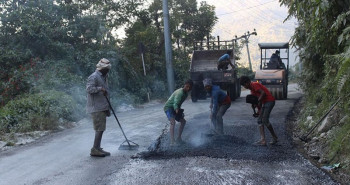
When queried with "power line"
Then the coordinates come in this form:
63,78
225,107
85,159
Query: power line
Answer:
246,8
242,15
272,12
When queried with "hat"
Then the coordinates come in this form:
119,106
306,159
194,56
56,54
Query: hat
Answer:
103,63
207,82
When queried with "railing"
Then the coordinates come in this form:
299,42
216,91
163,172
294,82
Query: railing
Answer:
213,45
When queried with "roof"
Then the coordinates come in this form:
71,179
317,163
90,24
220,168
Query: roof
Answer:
274,45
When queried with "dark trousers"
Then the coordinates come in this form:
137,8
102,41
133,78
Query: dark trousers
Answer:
217,118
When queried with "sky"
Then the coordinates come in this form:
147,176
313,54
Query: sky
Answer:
236,17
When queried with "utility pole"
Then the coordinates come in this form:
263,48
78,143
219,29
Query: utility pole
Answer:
168,51
246,37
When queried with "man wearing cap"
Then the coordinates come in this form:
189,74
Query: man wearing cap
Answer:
97,105
219,104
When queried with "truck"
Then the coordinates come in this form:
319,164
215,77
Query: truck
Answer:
274,76
204,65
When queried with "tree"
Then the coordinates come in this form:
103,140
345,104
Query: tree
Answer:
188,23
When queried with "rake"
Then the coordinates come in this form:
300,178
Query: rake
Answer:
127,144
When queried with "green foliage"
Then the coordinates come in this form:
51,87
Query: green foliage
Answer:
245,71
340,145
188,23
323,39
40,111
55,45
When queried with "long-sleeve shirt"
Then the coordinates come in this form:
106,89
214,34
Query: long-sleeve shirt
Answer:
176,99
218,97
96,101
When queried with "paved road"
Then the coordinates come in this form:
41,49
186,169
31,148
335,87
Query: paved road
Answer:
63,157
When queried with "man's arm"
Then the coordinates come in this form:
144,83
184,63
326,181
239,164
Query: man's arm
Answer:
177,100
91,86
215,100
262,95
231,63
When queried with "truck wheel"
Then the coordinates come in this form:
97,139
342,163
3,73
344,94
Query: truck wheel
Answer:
238,89
232,92
194,93
194,99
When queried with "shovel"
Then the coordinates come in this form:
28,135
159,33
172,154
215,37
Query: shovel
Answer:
127,144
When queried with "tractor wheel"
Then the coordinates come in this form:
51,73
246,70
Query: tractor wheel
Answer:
285,92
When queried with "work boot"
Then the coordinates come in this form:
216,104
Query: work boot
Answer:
97,153
106,153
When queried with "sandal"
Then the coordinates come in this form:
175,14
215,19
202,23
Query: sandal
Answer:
260,143
273,142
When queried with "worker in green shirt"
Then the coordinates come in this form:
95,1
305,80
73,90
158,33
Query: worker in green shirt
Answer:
174,112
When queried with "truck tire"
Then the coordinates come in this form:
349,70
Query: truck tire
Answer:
194,99
194,96
232,91
238,89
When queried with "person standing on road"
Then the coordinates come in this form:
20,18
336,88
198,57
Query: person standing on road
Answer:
224,61
97,105
266,101
174,112
219,104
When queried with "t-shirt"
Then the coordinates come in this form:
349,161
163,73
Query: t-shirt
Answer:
218,97
176,99
224,57
255,87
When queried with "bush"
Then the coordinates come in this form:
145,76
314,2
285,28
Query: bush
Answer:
41,111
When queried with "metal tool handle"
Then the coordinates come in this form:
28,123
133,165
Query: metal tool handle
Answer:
319,121
110,106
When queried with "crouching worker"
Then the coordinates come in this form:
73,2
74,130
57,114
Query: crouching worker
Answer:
219,104
224,61
97,105
266,101
174,112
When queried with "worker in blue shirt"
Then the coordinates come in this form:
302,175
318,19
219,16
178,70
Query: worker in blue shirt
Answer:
224,61
219,104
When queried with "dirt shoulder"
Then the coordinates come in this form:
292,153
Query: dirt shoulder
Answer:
314,147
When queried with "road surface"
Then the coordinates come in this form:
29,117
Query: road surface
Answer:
63,157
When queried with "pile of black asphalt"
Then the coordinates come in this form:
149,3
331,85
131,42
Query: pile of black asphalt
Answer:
237,143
